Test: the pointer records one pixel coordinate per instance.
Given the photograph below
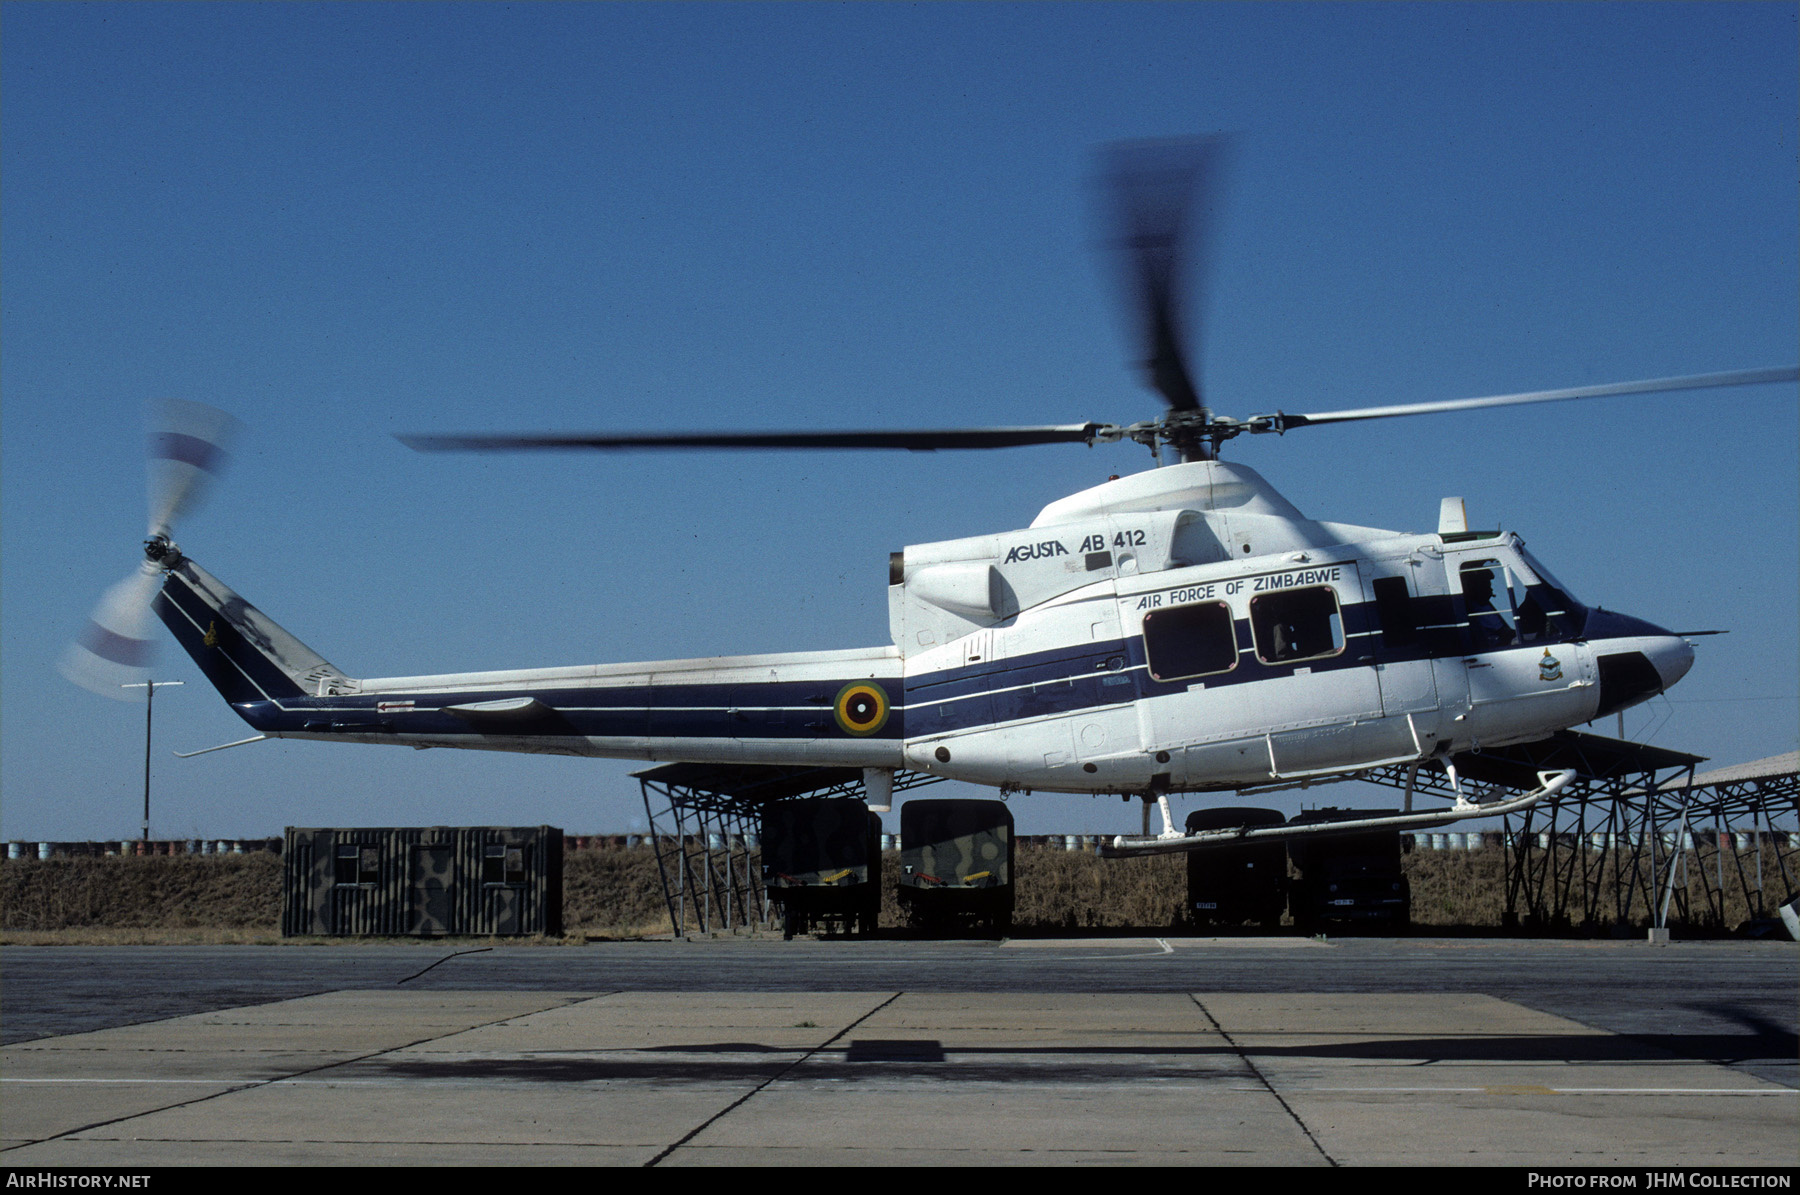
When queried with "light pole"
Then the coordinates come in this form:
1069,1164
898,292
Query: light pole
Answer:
149,687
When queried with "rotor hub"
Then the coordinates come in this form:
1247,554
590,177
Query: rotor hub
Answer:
1195,434
162,551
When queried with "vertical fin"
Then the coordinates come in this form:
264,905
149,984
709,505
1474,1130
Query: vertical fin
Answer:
242,651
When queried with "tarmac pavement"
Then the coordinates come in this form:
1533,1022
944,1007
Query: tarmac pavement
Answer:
897,1076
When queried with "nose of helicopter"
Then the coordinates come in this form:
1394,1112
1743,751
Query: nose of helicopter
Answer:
1673,656
1636,659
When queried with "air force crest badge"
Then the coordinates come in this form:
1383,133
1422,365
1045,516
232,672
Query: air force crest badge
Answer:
1549,668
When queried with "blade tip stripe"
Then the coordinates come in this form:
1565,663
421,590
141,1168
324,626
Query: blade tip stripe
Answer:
117,648
188,450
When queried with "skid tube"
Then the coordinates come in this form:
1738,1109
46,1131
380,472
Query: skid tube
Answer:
1124,848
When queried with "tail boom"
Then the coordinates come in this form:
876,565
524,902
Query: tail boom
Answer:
829,707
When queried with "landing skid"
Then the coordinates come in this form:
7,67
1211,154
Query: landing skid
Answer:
1123,847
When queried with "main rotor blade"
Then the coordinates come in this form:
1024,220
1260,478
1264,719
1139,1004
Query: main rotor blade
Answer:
1699,381
1152,189
920,440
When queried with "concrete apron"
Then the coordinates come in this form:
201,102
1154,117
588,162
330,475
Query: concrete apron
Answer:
878,1078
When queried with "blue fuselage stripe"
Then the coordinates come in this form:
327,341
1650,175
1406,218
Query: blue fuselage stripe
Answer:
765,710
960,699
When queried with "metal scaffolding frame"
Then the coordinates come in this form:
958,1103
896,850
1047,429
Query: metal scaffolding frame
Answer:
707,833
1638,837
1727,827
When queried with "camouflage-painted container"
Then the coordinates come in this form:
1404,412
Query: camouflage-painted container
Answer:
1230,885
822,863
956,862
1352,879
422,881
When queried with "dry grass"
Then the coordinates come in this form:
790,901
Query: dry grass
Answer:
124,892
616,893
1458,889
613,893
101,936
1060,889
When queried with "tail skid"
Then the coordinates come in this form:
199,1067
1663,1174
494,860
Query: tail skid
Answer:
242,651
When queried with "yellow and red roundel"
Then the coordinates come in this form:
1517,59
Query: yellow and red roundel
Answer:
862,707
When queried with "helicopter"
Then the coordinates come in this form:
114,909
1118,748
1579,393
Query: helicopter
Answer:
1181,630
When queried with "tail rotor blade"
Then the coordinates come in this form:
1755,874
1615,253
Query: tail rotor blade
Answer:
115,648
188,442
186,450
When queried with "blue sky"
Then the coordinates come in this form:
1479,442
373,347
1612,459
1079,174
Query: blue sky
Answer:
345,221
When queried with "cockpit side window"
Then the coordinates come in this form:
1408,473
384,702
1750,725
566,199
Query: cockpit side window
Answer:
1296,624
1488,602
1534,620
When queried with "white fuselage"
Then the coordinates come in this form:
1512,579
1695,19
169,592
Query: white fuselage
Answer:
1181,629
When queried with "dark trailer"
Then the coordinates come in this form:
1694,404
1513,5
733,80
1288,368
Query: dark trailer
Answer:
956,863
821,860
1349,879
1230,885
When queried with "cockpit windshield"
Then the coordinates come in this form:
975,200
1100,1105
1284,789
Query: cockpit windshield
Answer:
1547,609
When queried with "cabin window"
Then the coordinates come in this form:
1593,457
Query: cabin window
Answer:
1296,624
1185,641
1393,606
